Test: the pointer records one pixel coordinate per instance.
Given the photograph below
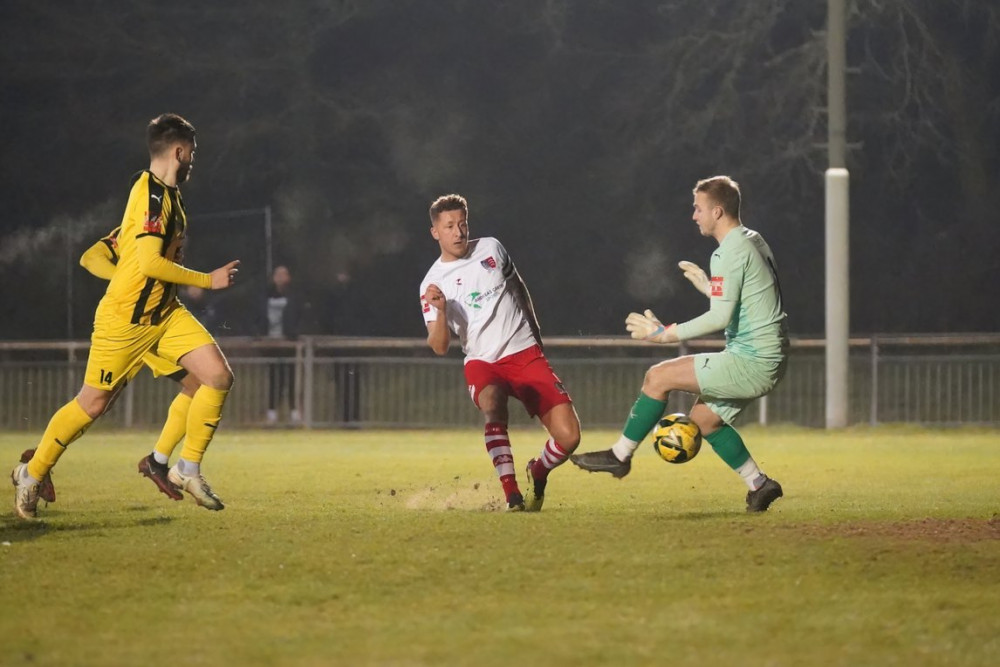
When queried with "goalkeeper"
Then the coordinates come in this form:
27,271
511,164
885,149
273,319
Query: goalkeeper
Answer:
745,300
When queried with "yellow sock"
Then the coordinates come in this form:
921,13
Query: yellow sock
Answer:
67,424
203,418
176,425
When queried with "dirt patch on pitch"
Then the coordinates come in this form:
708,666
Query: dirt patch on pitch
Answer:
475,495
922,530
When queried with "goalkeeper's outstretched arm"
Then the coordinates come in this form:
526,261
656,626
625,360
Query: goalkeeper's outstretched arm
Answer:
647,326
718,316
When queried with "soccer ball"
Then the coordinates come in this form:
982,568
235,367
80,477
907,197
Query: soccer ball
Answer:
677,439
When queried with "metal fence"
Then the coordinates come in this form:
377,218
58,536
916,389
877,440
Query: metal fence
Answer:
389,382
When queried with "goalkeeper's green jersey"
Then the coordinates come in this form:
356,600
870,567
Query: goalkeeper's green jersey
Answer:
743,271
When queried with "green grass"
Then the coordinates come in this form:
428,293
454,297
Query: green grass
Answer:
386,548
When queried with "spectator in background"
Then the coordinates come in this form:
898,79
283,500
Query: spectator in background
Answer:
283,317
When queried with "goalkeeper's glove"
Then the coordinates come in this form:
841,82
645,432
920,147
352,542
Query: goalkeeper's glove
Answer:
697,277
647,327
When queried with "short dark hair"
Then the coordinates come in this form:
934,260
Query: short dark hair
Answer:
448,203
166,130
722,191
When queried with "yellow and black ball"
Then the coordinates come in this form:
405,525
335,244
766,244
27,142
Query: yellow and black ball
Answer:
677,439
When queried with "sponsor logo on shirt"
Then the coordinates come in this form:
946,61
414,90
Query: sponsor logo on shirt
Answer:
425,305
153,224
472,301
489,263
476,300
716,285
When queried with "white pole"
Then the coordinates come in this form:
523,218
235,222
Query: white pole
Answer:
837,296
837,217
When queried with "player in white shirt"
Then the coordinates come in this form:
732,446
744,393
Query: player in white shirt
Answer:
474,292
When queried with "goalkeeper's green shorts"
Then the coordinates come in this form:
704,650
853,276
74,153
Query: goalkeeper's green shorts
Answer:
729,382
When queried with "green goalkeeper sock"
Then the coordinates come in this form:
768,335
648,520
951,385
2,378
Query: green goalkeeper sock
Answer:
728,444
645,413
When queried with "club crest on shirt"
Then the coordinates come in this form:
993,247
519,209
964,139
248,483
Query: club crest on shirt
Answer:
716,285
489,263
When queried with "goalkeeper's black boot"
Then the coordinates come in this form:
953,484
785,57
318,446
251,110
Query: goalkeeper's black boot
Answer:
761,499
602,461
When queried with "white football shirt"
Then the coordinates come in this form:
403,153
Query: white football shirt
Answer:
482,309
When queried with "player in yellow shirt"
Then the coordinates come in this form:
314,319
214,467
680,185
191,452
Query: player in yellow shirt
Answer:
139,313
101,260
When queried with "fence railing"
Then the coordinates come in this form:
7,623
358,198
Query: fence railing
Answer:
340,382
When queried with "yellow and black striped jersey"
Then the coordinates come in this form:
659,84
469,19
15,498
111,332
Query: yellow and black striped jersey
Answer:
149,245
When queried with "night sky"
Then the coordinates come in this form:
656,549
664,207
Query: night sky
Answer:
575,128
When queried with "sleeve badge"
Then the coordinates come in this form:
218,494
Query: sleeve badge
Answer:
716,285
153,224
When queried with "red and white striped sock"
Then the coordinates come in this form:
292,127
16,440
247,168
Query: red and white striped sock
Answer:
498,447
552,455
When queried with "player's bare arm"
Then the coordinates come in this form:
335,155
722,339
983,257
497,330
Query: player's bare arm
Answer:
438,334
524,298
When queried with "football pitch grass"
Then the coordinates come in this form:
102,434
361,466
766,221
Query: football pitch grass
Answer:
390,548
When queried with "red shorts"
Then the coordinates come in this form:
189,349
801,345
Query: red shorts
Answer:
526,375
